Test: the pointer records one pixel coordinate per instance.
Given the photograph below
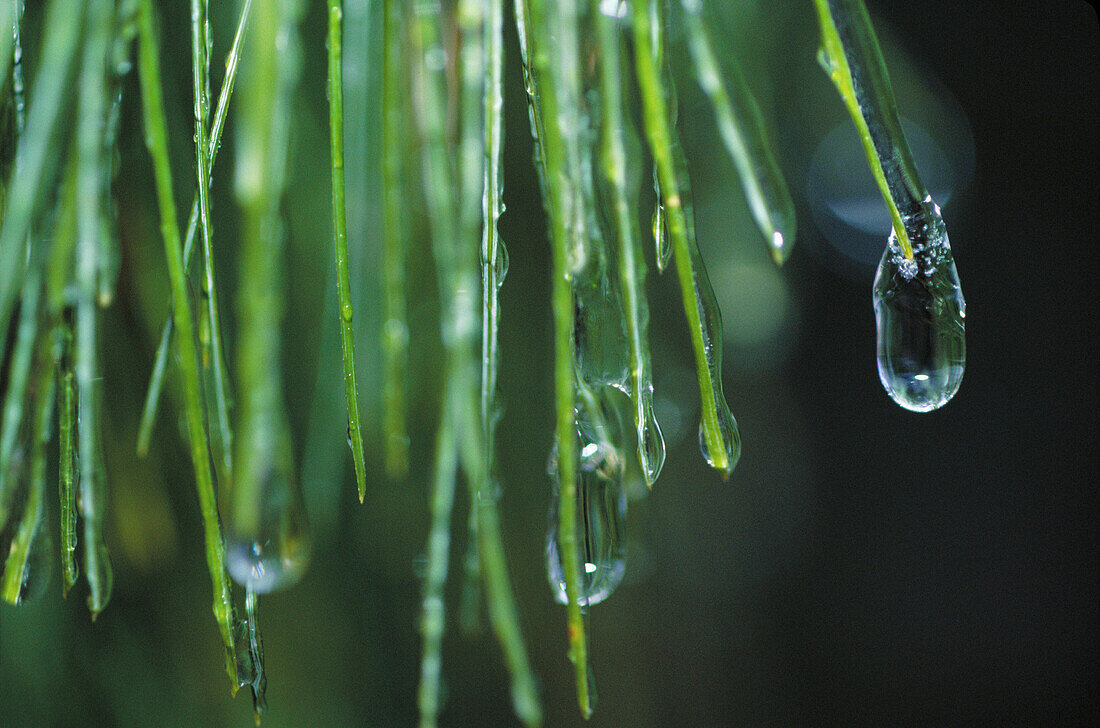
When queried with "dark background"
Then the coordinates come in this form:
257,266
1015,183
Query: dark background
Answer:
864,566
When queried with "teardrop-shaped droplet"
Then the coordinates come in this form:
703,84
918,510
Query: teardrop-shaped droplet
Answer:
920,313
661,237
651,444
731,438
269,544
601,513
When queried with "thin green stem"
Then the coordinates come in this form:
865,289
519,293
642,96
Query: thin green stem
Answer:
90,199
851,56
36,161
455,224
108,259
14,401
499,598
616,168
429,92
395,331
340,231
742,128
432,616
704,319
558,123
156,135
67,467
214,359
160,365
494,256
9,18
481,65
19,566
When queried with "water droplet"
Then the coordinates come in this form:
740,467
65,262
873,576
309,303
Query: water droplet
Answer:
651,444
601,512
269,544
731,438
346,312
501,263
920,312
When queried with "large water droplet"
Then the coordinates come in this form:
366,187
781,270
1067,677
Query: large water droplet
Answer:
920,312
269,544
601,512
731,438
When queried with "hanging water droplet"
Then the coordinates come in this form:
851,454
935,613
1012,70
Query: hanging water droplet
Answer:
731,438
651,444
269,543
920,312
601,511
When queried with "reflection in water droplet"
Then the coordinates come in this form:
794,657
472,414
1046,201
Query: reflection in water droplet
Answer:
920,311
601,512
